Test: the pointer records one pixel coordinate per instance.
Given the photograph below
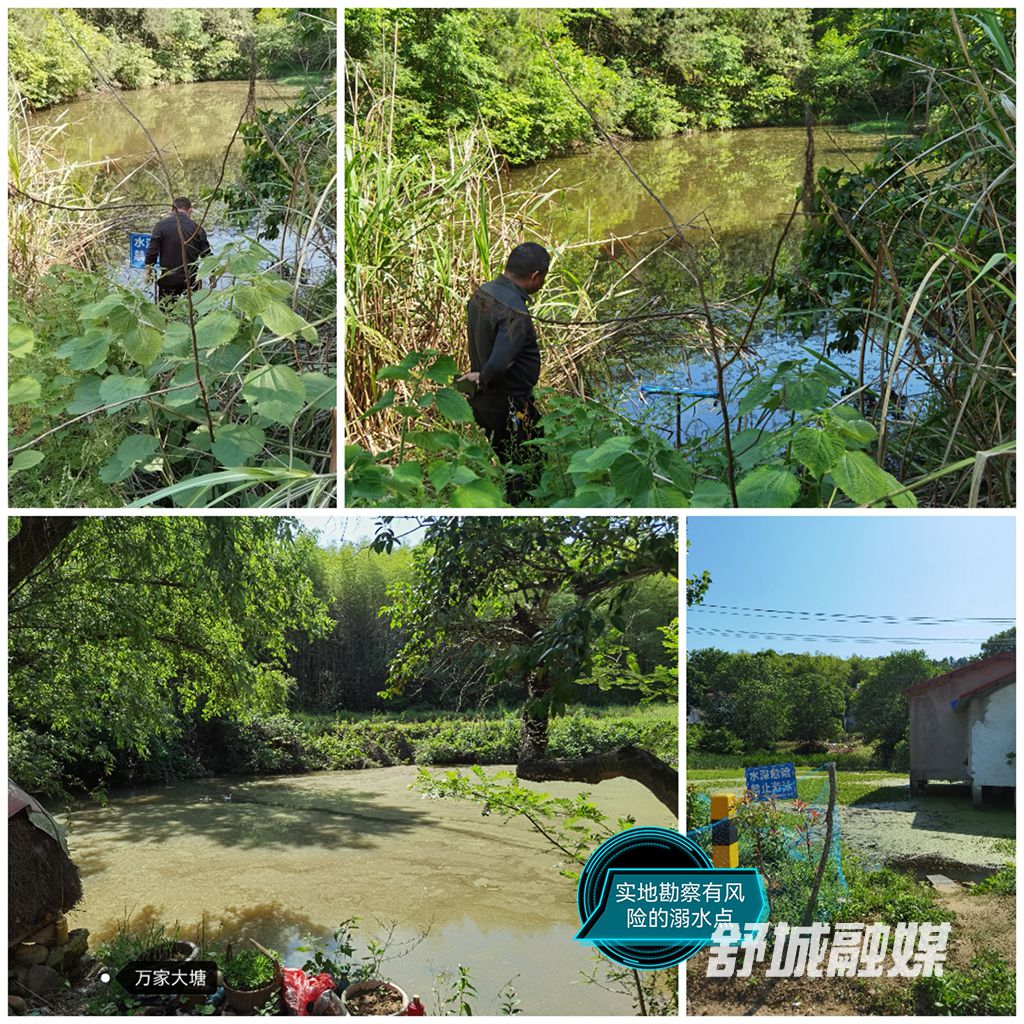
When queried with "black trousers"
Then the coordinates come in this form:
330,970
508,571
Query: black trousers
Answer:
508,422
172,288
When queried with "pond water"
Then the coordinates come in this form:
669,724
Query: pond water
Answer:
294,855
733,193
192,125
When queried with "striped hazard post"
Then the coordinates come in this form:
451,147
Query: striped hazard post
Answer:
724,838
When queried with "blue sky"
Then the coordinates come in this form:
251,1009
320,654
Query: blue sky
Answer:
343,529
948,567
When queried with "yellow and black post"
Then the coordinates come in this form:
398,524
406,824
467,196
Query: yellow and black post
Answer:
724,837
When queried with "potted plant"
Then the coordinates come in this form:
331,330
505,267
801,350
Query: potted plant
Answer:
374,997
250,979
172,951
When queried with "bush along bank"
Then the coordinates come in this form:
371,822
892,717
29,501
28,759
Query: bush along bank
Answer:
280,744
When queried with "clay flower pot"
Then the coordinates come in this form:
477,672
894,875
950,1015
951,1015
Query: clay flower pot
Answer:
374,998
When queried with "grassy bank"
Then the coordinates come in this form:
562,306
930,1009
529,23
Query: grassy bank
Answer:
286,744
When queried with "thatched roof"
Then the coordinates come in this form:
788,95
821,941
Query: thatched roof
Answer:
42,880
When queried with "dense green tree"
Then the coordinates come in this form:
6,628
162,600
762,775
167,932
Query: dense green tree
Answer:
880,706
747,697
494,582
125,627
817,702
1004,641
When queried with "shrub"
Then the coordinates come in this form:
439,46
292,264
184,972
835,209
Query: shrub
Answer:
248,970
1003,881
987,986
720,741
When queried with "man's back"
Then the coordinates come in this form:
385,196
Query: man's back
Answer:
503,345
165,245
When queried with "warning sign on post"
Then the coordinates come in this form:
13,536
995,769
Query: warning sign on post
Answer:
772,781
138,243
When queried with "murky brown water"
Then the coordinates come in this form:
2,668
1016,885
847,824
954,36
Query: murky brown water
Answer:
735,183
192,124
293,855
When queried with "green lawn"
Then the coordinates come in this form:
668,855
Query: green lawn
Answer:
868,786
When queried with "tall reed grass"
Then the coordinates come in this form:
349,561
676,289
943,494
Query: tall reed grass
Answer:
54,205
936,240
421,232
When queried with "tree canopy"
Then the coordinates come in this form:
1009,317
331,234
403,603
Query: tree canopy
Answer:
536,594
123,626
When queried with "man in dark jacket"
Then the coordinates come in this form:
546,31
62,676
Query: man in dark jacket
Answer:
504,359
165,245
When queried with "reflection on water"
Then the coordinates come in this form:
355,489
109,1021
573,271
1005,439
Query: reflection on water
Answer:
732,181
284,857
734,193
192,124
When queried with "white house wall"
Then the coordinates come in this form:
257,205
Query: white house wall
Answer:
992,724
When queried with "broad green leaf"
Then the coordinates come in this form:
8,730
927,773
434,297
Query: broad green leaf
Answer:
864,482
442,370
367,484
676,467
768,487
402,370
321,390
25,389
710,494
589,495
216,328
275,392
178,340
593,460
251,299
753,397
188,394
452,405
142,344
97,310
236,443
131,452
21,340
477,494
87,396
805,393
408,474
751,447
852,425
118,388
816,449
25,460
433,440
86,352
285,322
630,475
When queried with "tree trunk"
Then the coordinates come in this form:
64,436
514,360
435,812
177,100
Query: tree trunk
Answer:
627,761
34,543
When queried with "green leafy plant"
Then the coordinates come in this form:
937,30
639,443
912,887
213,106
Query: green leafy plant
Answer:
216,403
250,969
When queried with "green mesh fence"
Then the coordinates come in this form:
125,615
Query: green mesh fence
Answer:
783,839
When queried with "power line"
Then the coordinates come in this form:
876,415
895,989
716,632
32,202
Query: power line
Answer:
833,638
807,615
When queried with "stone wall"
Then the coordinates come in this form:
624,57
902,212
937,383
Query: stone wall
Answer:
44,963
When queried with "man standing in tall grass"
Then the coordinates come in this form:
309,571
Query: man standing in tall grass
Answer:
504,359
177,242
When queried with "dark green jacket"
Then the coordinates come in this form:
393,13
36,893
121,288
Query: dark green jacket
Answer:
503,344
